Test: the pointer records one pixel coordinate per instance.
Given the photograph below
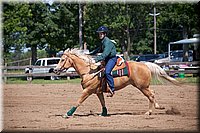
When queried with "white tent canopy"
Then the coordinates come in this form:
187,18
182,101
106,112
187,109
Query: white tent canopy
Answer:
184,41
187,41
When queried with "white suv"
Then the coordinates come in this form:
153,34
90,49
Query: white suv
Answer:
51,62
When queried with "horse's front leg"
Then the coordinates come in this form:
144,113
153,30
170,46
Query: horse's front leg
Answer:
102,100
85,94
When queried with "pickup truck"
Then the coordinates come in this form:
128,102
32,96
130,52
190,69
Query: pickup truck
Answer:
50,62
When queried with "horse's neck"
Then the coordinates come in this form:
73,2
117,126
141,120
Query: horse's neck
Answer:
80,66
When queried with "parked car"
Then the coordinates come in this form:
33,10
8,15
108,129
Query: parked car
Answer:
134,57
146,57
160,56
52,62
176,56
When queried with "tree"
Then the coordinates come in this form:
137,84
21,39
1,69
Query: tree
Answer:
175,22
62,26
132,26
55,27
14,28
35,35
124,21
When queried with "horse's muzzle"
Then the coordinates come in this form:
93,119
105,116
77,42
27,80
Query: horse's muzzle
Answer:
56,71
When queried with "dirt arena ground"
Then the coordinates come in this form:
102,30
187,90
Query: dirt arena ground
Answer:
39,107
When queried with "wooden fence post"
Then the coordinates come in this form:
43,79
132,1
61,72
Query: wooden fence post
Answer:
30,78
30,61
5,71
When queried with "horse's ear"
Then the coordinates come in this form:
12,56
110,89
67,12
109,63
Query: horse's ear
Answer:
71,50
67,50
74,50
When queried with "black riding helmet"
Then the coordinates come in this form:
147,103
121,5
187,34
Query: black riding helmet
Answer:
102,29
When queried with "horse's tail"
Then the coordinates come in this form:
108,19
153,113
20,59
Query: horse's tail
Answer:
158,72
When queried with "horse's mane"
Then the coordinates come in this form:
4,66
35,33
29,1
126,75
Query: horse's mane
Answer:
81,54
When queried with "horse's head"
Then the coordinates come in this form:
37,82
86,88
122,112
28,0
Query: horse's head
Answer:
64,63
77,59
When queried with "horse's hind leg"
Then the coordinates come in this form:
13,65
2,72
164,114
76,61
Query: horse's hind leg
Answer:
102,100
150,95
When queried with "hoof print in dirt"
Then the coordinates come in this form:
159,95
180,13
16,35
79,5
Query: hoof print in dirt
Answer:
173,111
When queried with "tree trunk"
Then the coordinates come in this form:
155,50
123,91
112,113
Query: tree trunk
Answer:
34,53
128,52
185,52
128,42
125,51
185,46
123,44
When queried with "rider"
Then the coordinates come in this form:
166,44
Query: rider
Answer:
108,55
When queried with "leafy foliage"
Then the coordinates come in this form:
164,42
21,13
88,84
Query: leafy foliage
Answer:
55,27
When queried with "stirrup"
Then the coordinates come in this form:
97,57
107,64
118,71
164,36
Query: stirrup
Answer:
111,94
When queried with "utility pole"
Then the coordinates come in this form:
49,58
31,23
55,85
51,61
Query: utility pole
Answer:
80,26
154,19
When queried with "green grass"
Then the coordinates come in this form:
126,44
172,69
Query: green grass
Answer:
190,80
187,80
42,81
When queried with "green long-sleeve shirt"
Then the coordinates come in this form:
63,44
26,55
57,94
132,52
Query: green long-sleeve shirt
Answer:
107,48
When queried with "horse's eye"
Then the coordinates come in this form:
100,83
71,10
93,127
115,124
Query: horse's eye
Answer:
62,60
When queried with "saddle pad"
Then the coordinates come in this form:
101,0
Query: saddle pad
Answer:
124,71
120,72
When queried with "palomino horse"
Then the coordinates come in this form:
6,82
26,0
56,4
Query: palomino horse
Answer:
140,77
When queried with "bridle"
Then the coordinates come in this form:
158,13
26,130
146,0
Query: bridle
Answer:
63,62
61,68
70,61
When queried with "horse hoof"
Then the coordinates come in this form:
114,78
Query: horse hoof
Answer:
103,115
162,107
158,106
148,113
65,116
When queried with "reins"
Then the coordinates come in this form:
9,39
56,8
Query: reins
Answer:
93,75
88,63
62,67
89,75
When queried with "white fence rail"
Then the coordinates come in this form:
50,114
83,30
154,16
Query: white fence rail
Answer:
19,71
